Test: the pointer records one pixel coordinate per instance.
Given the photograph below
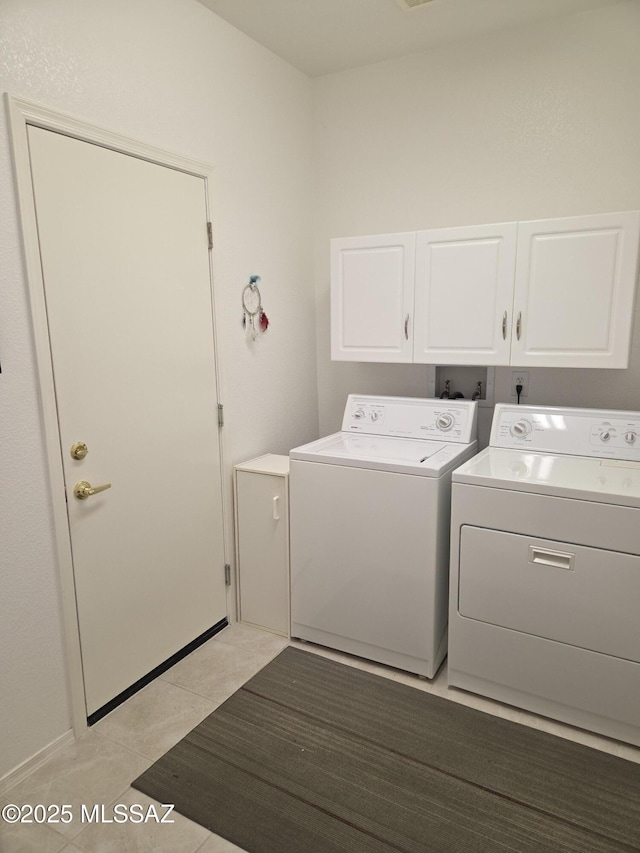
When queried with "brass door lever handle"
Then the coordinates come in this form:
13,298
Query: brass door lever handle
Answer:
83,490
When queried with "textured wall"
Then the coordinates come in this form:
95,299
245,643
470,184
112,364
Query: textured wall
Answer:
538,122
170,73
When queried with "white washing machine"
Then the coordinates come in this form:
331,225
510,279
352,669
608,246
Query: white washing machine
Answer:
369,529
545,567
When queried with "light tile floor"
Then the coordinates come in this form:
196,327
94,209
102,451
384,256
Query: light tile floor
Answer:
98,768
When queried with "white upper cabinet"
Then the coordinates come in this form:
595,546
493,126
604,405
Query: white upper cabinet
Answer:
372,298
574,291
464,294
549,293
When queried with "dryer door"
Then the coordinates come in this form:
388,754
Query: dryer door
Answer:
585,597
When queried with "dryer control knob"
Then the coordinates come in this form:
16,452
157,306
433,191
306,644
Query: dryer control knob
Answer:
630,436
444,421
520,429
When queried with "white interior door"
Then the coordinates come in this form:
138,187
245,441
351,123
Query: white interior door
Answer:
124,255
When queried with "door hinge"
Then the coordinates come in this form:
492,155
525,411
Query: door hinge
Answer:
227,574
220,415
210,234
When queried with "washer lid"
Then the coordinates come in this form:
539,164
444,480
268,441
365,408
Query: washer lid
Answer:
382,453
584,478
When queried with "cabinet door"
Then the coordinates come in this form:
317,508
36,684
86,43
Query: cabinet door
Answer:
372,298
464,294
263,556
575,290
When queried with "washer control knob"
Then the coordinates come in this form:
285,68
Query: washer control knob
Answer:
630,436
358,415
605,435
375,415
444,421
520,429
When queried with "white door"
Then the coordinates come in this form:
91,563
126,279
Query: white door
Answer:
263,539
124,254
575,289
372,298
464,294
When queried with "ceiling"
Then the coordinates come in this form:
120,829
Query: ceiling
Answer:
323,36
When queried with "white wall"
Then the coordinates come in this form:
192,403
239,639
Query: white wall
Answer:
537,122
170,73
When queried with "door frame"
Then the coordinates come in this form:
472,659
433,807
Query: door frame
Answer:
22,113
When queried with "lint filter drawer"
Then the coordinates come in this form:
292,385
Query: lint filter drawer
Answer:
586,597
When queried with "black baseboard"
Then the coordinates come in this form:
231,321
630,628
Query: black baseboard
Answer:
163,667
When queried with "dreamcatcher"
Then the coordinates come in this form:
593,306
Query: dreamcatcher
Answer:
254,320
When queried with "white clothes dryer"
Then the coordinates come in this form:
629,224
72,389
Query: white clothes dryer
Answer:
369,529
545,567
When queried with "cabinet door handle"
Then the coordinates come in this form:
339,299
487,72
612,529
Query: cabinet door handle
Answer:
519,325
276,513
504,326
406,328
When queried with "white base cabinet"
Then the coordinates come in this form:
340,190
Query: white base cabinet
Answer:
546,293
261,490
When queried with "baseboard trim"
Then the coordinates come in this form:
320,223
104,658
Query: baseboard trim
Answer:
19,773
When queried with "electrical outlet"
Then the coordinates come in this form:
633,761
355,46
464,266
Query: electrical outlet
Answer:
520,377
